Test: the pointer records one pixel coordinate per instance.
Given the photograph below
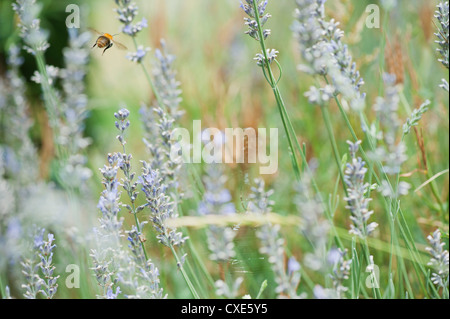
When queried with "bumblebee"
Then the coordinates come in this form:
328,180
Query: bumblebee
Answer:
105,40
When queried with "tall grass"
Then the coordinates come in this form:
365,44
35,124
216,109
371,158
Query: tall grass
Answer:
357,209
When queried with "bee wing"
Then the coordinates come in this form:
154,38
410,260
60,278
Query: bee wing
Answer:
120,45
95,31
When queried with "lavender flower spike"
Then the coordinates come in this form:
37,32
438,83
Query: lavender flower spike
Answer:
251,22
442,15
439,260
34,37
42,259
357,202
127,11
160,205
217,200
49,285
272,244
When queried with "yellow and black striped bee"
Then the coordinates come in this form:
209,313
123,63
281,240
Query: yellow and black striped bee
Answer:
105,40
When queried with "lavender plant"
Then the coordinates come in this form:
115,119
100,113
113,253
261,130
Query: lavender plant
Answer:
257,18
217,200
107,257
160,206
442,34
19,171
36,43
161,209
127,12
113,266
19,150
415,117
74,110
442,15
226,290
140,275
315,226
157,175
439,262
66,110
160,120
392,154
358,189
288,276
124,159
321,46
340,273
166,83
30,269
49,285
43,260
320,42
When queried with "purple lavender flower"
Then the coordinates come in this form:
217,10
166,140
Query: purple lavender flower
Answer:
110,294
320,43
439,261
126,12
357,202
392,153
49,285
217,201
272,243
442,15
141,276
251,22
42,259
160,205
139,55
34,37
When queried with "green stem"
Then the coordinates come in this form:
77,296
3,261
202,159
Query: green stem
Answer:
261,289
149,79
50,101
337,158
196,255
2,288
280,104
183,272
133,207
288,127
435,193
376,288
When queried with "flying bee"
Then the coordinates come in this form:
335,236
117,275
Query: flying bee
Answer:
105,40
